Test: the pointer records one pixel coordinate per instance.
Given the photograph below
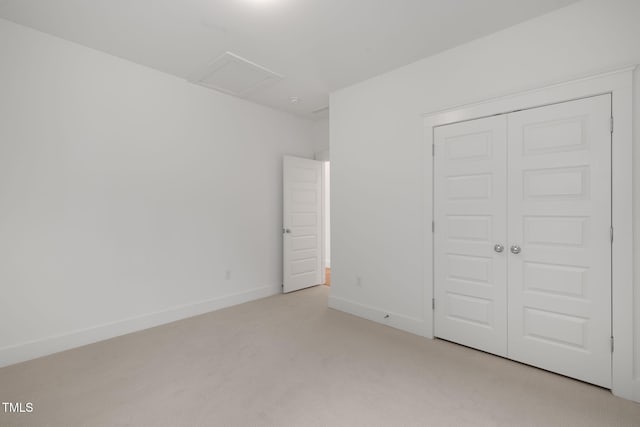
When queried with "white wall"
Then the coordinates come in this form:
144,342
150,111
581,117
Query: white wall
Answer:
126,195
320,132
378,150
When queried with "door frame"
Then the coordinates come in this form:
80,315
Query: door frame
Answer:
323,156
284,224
619,83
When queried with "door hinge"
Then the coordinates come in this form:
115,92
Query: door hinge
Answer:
611,233
433,303
611,124
433,226
611,344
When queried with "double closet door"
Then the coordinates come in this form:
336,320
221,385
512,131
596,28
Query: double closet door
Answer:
522,240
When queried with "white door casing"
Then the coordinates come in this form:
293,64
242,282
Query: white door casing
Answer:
560,216
302,223
470,216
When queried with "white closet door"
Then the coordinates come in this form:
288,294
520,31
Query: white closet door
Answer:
559,293
470,219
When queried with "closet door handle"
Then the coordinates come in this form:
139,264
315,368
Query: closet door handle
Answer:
515,249
498,248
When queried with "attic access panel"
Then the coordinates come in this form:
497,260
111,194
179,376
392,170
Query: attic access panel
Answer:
235,75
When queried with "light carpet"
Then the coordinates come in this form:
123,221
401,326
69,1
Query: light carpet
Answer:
288,360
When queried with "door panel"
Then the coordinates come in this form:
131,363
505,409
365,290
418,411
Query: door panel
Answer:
470,217
559,292
302,226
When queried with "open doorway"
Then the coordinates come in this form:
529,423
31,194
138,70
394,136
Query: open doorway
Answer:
305,226
327,221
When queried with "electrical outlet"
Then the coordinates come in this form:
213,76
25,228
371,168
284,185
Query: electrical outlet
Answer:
227,275
359,281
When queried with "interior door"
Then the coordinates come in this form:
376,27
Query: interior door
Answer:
559,231
470,265
302,223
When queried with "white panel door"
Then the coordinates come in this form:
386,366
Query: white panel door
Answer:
470,275
560,217
302,223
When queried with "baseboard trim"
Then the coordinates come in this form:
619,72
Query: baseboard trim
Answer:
395,320
636,391
31,350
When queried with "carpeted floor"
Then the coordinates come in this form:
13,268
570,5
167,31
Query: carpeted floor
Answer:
288,360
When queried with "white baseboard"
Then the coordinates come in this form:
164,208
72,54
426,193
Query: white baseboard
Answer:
636,391
398,321
54,344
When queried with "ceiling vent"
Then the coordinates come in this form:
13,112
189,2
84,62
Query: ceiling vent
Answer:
235,75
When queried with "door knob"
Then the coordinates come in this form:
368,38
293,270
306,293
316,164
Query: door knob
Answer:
286,230
515,249
498,248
